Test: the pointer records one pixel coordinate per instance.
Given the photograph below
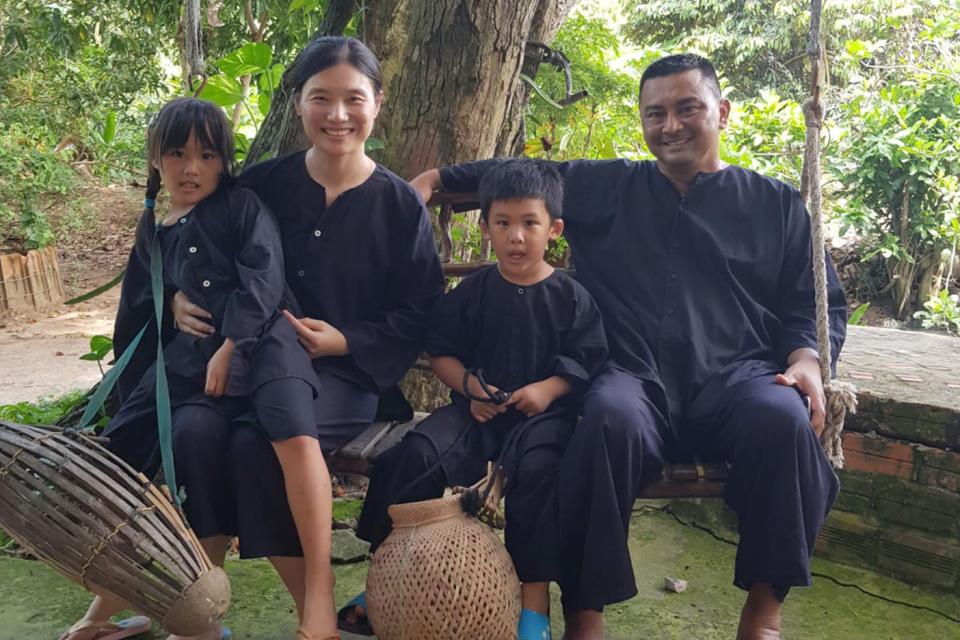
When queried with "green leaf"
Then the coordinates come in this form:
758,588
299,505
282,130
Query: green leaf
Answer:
93,357
856,318
263,102
253,57
223,90
306,5
373,144
102,288
110,128
100,343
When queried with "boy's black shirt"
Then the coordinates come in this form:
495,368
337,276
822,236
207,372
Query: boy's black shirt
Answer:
521,334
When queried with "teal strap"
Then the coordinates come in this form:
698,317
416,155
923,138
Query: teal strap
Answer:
109,380
164,421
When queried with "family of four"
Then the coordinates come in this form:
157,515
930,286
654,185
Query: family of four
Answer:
298,294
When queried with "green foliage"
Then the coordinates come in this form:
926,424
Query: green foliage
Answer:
941,312
41,412
226,89
767,135
898,171
28,170
605,124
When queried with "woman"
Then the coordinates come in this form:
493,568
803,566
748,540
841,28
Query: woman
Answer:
360,258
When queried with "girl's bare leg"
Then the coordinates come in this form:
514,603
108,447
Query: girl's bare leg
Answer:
307,482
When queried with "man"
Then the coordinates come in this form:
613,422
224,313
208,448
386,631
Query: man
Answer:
702,272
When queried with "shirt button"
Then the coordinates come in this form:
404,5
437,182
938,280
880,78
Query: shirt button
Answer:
673,276
676,245
192,249
183,221
669,312
317,233
520,290
301,273
206,283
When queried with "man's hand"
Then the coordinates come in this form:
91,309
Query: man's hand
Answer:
426,183
218,370
317,337
534,398
188,317
803,373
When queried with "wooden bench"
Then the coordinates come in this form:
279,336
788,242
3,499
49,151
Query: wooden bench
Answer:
681,478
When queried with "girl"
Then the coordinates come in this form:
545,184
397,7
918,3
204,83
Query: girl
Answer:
221,246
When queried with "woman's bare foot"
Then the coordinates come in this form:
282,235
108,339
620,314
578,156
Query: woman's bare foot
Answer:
584,625
760,617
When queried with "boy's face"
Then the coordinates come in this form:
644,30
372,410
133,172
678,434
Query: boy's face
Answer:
519,230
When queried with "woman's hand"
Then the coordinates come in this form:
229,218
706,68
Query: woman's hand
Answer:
188,317
218,370
317,337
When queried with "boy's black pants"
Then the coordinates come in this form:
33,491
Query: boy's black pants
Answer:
450,448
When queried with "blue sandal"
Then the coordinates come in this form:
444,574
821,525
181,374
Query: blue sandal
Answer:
533,626
362,624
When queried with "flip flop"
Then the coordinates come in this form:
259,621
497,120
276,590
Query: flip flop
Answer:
362,625
106,630
533,626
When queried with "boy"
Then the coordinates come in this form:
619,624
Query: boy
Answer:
529,330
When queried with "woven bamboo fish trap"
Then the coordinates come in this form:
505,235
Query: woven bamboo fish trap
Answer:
442,575
90,516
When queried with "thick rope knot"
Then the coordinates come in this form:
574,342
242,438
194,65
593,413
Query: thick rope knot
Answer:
813,112
841,399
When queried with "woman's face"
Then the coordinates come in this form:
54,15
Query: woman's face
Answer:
338,107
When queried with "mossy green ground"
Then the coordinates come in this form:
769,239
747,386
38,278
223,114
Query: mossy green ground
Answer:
35,603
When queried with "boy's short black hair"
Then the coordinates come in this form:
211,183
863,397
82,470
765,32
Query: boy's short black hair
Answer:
678,63
522,178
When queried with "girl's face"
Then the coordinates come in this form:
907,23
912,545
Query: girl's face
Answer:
190,173
338,107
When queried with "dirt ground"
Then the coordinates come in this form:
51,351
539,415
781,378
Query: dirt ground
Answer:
40,351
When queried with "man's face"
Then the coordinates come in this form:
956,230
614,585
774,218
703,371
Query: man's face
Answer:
682,117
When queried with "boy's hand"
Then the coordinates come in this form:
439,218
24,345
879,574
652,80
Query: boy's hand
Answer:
534,398
483,411
218,370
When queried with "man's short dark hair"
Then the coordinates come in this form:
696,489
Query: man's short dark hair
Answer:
522,178
678,63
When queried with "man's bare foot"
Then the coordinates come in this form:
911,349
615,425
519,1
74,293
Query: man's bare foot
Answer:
760,617
584,625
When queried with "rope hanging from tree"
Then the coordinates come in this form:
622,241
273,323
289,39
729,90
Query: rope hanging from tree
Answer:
193,40
841,396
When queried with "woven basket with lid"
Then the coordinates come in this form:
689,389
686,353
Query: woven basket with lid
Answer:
440,575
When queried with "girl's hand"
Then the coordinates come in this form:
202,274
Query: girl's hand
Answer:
534,398
218,370
188,317
317,337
